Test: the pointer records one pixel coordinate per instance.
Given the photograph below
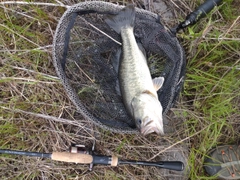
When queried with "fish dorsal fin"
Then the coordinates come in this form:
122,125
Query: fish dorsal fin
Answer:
158,82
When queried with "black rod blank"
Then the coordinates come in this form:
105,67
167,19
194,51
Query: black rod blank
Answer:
26,153
172,165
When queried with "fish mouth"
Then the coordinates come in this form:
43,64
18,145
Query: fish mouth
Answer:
150,127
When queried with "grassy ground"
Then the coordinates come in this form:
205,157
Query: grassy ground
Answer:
36,114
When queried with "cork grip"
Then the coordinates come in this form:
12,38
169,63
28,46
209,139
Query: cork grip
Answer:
72,157
114,161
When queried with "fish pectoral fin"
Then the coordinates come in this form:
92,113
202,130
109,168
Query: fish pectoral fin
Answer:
133,104
158,82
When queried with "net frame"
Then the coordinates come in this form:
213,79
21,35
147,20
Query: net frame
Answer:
171,85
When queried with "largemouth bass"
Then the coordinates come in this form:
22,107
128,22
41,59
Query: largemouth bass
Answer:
137,88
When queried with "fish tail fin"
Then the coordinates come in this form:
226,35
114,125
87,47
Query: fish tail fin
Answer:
125,18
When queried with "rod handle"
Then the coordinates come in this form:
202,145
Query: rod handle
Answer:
173,165
107,160
194,16
84,158
72,157
202,10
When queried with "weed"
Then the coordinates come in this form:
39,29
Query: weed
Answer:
211,87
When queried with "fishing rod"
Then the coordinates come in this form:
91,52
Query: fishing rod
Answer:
199,13
79,154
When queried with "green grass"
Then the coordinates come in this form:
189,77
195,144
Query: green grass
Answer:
212,87
32,98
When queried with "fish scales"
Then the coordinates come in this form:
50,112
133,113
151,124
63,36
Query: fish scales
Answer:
137,87
134,73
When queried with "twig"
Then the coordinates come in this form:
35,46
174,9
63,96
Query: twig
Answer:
14,32
224,38
226,67
23,14
187,7
101,31
25,79
43,74
59,2
44,116
169,147
92,80
34,3
221,38
42,48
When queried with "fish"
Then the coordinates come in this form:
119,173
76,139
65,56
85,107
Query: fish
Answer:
138,89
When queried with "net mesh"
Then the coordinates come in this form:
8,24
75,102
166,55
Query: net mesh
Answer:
86,52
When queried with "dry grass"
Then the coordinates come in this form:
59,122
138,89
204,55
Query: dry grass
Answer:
36,114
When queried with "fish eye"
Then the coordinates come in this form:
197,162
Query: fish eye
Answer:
139,121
